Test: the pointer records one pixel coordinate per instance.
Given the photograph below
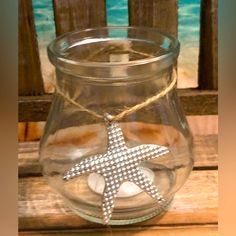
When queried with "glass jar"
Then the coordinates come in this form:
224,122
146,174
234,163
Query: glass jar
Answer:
109,70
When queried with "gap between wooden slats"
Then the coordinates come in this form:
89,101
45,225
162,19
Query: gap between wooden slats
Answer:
193,230
78,14
30,76
208,59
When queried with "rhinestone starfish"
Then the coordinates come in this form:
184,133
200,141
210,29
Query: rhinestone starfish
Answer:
119,164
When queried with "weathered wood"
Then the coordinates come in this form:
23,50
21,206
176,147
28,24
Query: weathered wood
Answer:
161,14
194,102
41,208
78,14
205,152
34,108
199,102
22,129
209,230
30,77
208,58
203,125
28,159
203,128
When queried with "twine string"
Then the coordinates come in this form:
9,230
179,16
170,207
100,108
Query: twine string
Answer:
79,106
147,102
126,111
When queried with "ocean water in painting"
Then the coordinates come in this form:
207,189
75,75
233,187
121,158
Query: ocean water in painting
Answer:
117,13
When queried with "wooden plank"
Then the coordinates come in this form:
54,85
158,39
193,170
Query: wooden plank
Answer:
78,14
30,77
207,230
199,102
208,58
160,14
28,159
194,102
34,108
205,152
41,208
203,128
21,131
203,125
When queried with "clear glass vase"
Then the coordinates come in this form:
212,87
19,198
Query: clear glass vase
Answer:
109,70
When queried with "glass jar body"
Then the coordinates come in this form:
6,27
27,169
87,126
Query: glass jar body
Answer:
72,134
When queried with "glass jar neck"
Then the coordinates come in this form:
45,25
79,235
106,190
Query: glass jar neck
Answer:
114,54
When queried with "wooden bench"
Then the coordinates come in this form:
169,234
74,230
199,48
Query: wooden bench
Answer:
194,209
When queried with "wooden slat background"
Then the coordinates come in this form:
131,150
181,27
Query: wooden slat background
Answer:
194,102
30,76
203,128
206,230
41,208
160,14
205,150
194,206
208,58
78,14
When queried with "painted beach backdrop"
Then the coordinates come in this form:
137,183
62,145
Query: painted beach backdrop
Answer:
117,13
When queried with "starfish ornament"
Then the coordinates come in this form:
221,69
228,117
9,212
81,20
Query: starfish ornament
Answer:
119,164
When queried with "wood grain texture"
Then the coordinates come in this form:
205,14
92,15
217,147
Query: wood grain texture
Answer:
160,14
28,159
203,125
203,128
22,129
30,77
199,102
41,208
78,14
208,57
194,102
205,152
207,230
34,108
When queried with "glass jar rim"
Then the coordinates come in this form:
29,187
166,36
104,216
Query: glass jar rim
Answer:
59,60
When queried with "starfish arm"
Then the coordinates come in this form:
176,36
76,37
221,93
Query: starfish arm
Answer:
109,196
151,151
85,166
138,178
115,137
